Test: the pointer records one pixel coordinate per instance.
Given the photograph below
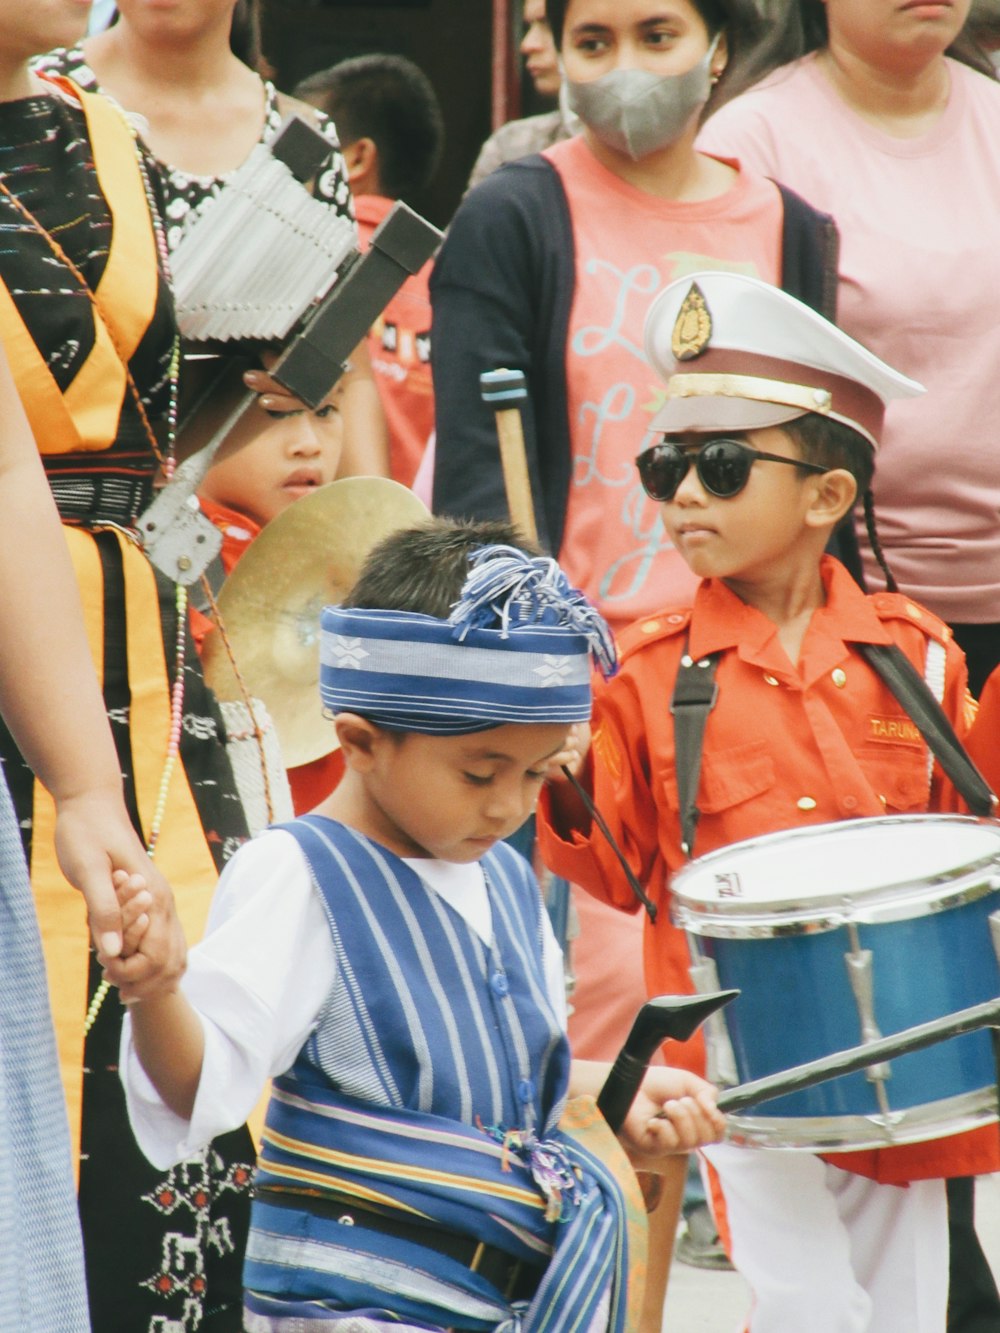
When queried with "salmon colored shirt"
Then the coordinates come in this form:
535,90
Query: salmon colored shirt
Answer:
629,245
784,747
400,347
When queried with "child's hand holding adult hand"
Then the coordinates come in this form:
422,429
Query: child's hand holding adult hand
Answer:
154,953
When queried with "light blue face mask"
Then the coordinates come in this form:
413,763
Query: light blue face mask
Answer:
637,112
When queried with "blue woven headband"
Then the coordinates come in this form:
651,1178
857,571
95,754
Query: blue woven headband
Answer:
517,647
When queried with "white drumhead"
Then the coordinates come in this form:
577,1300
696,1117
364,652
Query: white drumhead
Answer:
824,868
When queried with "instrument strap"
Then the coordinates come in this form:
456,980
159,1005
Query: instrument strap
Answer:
910,689
695,693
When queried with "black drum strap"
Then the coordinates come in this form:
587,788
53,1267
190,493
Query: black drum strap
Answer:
695,693
910,689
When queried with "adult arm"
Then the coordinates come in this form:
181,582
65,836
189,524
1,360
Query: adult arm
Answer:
500,292
366,434
50,699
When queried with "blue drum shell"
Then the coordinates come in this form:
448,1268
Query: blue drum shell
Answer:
796,1004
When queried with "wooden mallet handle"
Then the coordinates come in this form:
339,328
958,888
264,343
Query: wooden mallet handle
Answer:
505,391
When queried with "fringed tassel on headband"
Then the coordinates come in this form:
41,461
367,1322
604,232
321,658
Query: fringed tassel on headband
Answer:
505,585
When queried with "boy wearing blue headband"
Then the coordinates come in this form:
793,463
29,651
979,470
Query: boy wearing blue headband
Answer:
388,962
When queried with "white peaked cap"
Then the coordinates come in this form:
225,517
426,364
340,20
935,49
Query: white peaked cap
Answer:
741,354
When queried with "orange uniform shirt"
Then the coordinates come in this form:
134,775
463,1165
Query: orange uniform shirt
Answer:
785,746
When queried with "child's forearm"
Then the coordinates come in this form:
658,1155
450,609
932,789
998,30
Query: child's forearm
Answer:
586,1077
169,1042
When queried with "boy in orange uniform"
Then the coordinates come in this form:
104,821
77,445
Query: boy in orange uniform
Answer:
770,420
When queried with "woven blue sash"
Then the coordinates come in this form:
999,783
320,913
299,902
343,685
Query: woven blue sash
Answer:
428,1168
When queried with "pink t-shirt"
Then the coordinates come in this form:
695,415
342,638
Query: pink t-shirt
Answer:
629,245
919,222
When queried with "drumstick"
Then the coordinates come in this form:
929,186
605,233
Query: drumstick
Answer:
860,1057
505,391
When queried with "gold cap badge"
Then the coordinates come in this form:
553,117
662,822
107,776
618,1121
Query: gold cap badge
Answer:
693,326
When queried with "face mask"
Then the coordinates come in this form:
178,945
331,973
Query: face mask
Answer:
638,112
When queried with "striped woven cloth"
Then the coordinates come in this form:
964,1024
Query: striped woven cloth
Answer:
41,1255
497,1189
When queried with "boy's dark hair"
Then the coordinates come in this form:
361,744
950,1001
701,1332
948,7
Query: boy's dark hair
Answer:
832,444
740,19
425,568
389,100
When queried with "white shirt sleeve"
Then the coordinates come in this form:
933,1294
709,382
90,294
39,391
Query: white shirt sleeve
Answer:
555,971
258,980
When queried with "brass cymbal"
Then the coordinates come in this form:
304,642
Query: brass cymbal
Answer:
306,558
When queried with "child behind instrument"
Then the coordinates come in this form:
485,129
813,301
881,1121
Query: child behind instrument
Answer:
770,419
267,461
388,960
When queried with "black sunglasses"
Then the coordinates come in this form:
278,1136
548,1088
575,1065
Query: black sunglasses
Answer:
723,467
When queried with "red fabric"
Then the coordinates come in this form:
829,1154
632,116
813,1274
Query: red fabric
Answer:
238,532
983,741
400,347
312,783
828,731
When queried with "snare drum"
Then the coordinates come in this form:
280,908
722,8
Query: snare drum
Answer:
837,934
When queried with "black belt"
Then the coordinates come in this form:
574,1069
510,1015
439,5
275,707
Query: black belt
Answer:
517,1279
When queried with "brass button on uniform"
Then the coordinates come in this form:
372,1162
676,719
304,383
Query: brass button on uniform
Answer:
806,803
769,679
839,677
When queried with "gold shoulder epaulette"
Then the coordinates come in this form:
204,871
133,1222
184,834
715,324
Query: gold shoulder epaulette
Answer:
662,625
897,606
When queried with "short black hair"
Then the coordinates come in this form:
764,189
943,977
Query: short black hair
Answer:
833,444
425,568
389,100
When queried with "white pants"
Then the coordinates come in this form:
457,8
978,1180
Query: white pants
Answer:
825,1251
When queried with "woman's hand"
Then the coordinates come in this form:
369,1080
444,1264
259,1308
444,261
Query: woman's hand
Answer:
96,844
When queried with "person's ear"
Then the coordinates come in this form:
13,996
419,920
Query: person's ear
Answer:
361,161
720,58
833,496
360,741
